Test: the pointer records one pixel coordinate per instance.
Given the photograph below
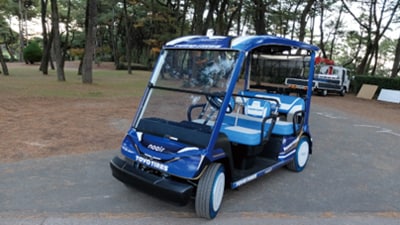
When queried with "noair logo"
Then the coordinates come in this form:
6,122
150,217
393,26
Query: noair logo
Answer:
156,148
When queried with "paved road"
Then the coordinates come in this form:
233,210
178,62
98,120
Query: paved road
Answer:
352,178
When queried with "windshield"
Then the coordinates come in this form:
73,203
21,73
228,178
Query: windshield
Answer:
183,83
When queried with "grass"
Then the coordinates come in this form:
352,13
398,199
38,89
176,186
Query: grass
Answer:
27,80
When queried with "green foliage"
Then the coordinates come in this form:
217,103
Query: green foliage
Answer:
30,8
33,53
153,23
381,82
3,30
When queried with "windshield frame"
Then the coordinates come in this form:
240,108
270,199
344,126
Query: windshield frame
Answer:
158,83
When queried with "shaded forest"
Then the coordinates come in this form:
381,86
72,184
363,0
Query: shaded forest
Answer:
363,35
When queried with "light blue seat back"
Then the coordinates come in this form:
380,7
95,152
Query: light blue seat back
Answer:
257,108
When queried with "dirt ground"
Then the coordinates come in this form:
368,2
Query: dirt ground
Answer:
32,127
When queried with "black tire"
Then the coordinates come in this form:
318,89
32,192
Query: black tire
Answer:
210,191
324,92
343,91
302,154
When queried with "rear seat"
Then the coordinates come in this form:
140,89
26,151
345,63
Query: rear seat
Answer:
288,105
246,128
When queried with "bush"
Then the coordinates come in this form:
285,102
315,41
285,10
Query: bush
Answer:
381,82
33,53
77,53
134,66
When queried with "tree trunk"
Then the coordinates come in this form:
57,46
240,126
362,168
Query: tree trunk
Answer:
3,63
21,32
224,18
183,18
303,19
57,41
113,39
66,41
375,57
209,22
234,14
296,9
239,18
128,38
44,65
259,17
321,29
197,22
337,26
10,52
90,43
362,67
396,62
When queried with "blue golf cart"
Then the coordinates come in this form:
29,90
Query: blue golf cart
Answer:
217,114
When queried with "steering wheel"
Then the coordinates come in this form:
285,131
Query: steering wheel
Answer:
216,99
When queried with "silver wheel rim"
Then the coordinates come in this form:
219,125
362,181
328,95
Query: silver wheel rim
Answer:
218,191
302,154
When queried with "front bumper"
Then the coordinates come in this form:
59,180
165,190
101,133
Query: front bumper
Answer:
155,185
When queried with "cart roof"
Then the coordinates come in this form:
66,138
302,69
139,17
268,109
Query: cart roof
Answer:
242,43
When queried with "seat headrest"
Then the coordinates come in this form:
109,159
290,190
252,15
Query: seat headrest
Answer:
257,108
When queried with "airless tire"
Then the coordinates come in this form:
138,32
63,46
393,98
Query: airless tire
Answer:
301,155
210,191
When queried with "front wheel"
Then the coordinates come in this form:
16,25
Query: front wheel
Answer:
301,155
210,191
342,91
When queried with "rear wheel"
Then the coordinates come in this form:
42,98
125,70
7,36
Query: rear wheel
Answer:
301,155
210,191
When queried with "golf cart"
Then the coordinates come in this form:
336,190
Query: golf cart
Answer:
216,114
